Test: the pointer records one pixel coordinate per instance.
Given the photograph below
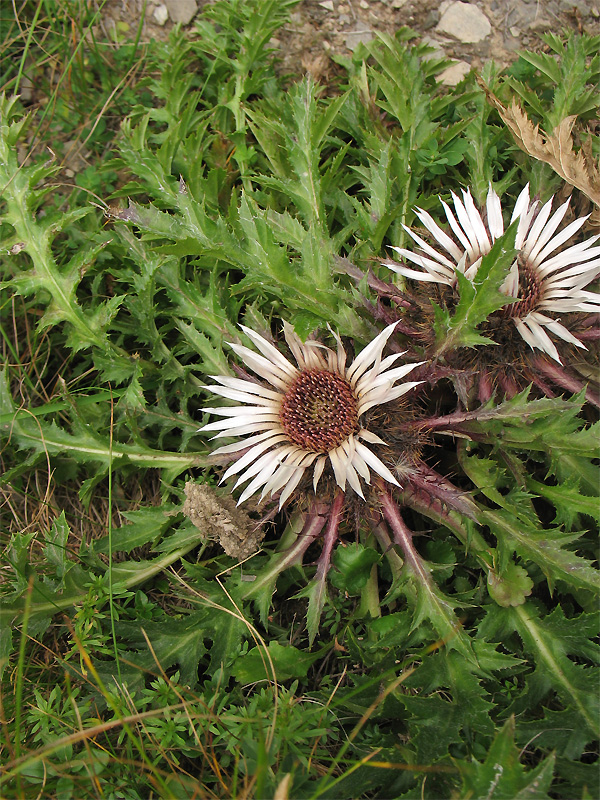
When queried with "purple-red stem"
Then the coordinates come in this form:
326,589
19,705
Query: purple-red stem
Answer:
403,537
429,482
508,384
330,537
589,335
542,386
313,525
562,378
380,532
485,388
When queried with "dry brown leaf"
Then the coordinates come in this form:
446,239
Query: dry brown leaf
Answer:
556,149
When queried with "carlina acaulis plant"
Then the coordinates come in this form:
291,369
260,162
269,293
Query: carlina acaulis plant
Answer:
317,434
393,591
540,335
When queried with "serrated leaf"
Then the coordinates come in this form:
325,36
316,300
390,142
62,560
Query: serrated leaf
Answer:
316,592
84,446
451,688
176,641
561,731
55,547
578,168
478,298
213,359
501,776
6,641
351,567
184,641
550,643
567,499
280,663
145,526
430,603
290,551
546,548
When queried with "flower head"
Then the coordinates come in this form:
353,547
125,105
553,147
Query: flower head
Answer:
307,414
542,279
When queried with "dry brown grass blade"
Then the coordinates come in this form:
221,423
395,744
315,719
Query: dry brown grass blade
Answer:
556,149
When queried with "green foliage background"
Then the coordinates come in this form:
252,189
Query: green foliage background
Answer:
138,660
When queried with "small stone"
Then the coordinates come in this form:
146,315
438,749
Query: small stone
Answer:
454,74
358,36
398,3
161,15
464,22
431,20
514,31
75,158
327,5
364,5
437,51
540,24
26,89
182,11
582,6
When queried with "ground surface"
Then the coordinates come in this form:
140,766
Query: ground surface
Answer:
468,32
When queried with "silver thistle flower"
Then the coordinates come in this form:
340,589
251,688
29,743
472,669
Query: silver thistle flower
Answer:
308,415
541,281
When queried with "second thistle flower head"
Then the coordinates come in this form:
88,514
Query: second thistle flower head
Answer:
542,279
305,415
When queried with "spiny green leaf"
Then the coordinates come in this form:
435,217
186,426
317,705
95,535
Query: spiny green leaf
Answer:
451,688
546,548
145,526
351,567
430,603
280,663
556,730
478,298
549,641
501,776
85,446
178,641
317,594
567,499
55,548
183,641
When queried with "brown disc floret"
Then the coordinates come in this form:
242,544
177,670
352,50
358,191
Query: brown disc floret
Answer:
319,411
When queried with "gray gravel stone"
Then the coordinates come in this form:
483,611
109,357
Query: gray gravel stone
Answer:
182,11
358,35
161,15
454,74
464,22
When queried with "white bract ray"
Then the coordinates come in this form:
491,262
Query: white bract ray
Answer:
543,277
308,415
